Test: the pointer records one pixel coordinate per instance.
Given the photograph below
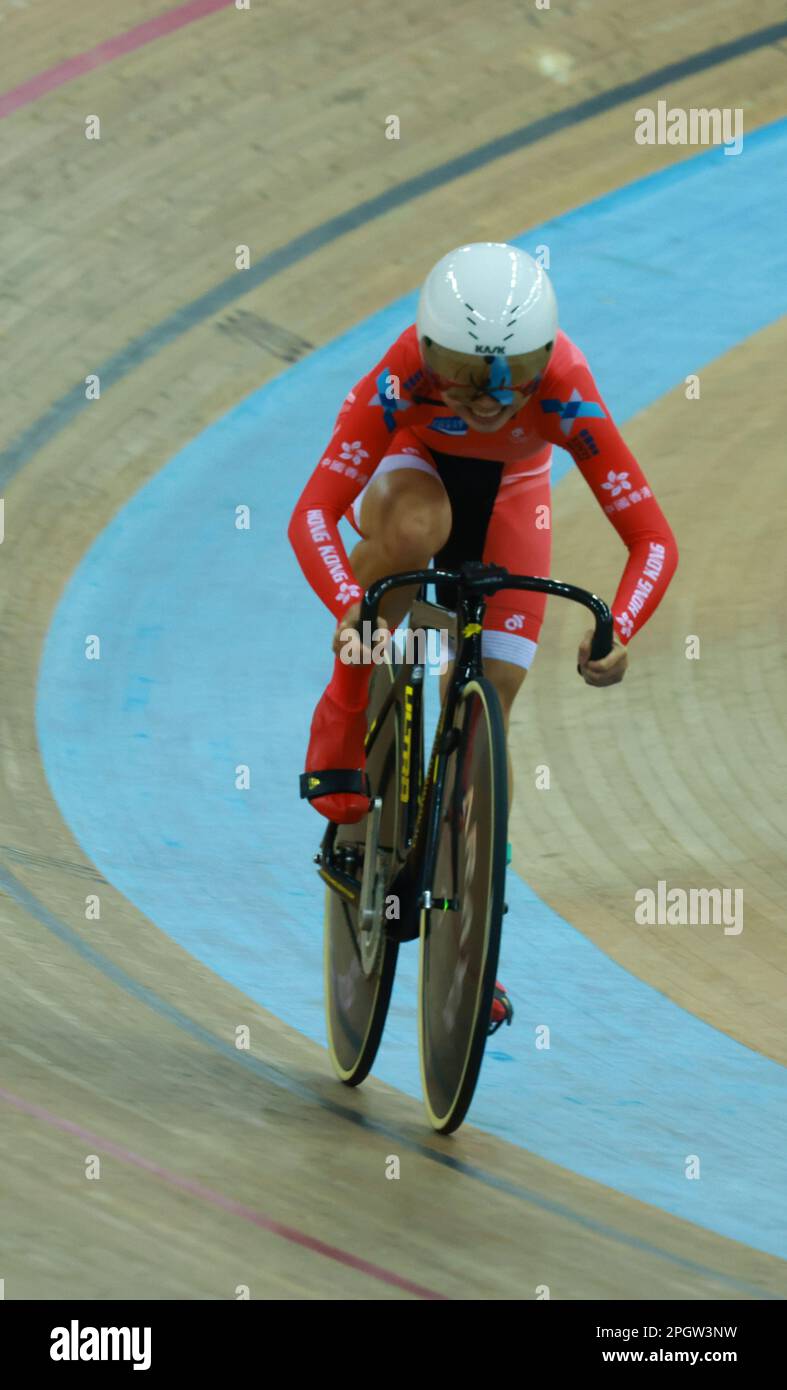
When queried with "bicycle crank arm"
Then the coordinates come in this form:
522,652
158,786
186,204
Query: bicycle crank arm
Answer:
366,904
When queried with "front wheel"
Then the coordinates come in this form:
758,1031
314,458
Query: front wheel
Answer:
460,933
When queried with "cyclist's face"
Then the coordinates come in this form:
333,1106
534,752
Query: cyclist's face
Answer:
485,392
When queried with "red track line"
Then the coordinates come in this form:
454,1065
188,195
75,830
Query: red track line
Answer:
164,24
217,1199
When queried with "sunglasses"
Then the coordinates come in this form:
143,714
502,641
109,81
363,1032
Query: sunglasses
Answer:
462,393
465,378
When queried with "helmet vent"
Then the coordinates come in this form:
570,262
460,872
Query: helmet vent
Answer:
472,324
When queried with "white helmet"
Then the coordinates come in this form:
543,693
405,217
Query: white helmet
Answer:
487,300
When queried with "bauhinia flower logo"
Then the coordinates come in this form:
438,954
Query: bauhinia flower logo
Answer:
616,483
353,452
347,590
625,622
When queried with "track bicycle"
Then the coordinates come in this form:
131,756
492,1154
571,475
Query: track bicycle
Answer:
428,860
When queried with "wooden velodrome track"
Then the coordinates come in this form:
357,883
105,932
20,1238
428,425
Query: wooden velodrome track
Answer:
223,1169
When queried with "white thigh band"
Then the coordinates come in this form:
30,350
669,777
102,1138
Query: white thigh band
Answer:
504,646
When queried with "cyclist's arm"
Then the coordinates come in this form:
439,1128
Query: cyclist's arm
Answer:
364,425
622,490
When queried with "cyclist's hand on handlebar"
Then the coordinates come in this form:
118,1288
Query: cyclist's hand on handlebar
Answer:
348,621
608,671
348,629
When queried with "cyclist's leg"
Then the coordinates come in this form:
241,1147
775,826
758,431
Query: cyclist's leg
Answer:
519,536
403,516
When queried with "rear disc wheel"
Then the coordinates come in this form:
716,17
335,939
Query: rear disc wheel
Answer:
360,963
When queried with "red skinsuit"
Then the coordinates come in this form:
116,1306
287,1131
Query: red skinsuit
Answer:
382,416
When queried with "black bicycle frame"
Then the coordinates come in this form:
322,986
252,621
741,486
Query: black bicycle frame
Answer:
418,838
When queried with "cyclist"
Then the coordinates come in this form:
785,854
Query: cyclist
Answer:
442,451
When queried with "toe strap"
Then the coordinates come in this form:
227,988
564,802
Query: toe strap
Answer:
337,779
